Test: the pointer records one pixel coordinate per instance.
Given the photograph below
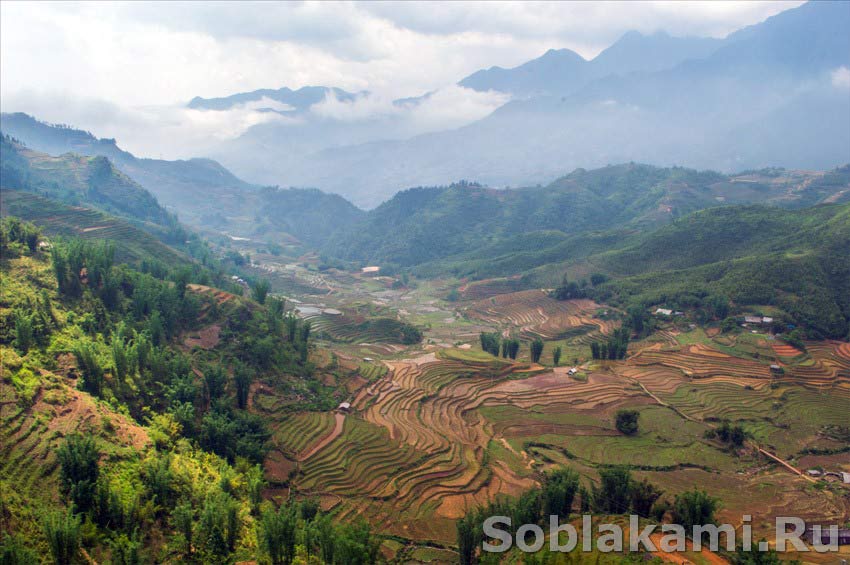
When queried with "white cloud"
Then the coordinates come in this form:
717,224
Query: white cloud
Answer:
841,78
161,131
454,106
124,68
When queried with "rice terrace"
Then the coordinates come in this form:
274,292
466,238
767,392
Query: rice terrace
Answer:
475,283
445,428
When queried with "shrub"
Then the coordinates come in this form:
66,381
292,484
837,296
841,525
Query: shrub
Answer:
627,422
62,530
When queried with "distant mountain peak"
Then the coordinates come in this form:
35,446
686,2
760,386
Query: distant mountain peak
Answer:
294,100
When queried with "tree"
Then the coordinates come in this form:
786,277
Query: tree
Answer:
90,367
13,551
627,422
410,334
569,290
637,318
183,517
219,525
556,355
559,491
277,534
79,471
694,507
644,495
734,435
490,343
62,530
215,378
261,290
23,331
513,348
242,378
536,350
466,538
613,496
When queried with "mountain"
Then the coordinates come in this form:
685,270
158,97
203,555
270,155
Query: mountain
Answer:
192,188
562,71
77,179
56,219
715,104
204,194
293,101
468,229
795,261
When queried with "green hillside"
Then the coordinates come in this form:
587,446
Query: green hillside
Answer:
463,228
127,438
203,193
794,260
55,219
79,180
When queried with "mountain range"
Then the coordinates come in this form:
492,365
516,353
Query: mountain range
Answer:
776,93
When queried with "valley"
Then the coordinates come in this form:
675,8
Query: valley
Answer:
436,429
323,283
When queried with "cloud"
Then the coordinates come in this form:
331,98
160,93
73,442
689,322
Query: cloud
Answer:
841,78
124,68
161,131
453,107
446,108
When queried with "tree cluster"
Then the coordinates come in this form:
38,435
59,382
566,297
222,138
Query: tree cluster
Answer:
614,348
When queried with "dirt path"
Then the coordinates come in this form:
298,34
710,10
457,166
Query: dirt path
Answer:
662,403
339,421
785,464
764,452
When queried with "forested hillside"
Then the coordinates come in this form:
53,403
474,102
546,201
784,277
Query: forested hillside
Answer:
143,432
204,194
794,264
452,225
131,243
76,179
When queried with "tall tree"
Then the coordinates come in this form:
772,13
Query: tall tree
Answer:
536,350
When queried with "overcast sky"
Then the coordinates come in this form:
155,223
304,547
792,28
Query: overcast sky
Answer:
111,67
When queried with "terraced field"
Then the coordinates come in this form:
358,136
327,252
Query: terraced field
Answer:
418,451
353,327
29,436
533,313
451,427
131,243
784,411
479,290
441,433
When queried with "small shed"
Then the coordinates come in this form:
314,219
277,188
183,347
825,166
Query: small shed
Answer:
572,371
776,368
344,407
825,537
814,473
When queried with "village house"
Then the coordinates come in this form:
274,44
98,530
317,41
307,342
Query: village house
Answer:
344,407
825,538
663,312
